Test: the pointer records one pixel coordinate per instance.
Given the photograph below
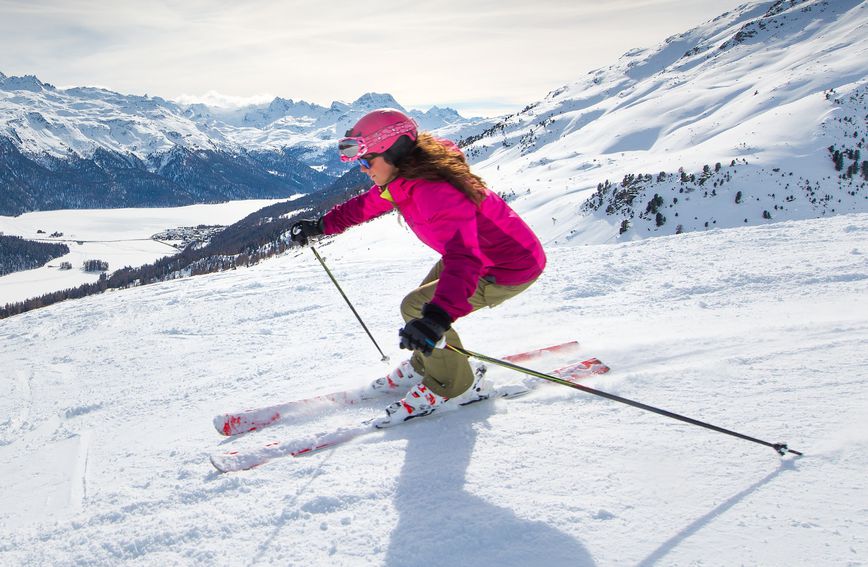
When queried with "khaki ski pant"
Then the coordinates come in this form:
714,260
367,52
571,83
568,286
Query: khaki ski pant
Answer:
448,373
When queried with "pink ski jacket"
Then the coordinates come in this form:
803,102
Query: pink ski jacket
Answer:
488,240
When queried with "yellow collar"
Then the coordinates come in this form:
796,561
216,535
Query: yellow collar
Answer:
386,195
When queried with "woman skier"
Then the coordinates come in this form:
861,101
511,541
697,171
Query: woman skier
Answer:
488,254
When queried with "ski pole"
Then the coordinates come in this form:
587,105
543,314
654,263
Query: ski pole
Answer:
353,309
781,448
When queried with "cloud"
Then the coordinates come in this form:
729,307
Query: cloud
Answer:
220,100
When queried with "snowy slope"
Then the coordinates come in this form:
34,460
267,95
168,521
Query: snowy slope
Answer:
764,90
106,403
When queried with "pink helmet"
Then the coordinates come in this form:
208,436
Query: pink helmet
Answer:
376,132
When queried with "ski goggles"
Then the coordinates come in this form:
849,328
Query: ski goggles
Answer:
352,148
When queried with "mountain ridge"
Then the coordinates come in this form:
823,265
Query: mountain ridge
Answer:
751,87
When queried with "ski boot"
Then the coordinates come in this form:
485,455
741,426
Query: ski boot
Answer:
404,376
419,401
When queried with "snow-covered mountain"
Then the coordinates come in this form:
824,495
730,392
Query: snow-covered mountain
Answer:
56,144
89,147
45,120
311,129
755,116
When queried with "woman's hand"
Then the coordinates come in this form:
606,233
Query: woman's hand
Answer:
423,334
304,229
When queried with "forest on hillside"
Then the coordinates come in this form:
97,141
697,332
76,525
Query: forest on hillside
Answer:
18,254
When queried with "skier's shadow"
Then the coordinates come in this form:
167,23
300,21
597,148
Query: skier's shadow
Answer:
441,524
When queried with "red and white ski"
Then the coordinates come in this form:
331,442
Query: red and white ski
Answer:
255,419
248,459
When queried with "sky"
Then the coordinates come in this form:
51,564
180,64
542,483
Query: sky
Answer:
483,58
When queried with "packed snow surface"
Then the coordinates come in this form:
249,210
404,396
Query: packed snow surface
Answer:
106,406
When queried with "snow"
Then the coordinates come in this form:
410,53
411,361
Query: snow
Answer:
108,403
755,325
121,237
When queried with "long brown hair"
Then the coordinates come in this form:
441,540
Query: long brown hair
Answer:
433,160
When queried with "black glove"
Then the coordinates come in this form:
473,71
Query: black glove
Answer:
304,229
422,334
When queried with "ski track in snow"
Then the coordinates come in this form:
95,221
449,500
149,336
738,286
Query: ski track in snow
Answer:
18,402
762,330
